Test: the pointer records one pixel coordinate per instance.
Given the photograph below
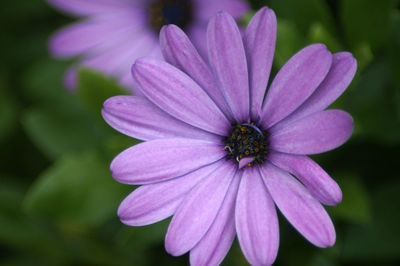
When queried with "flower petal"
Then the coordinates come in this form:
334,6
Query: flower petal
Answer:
259,42
228,62
177,94
301,209
152,203
137,117
205,9
180,52
198,210
316,180
313,134
90,7
256,220
160,160
342,71
295,82
215,244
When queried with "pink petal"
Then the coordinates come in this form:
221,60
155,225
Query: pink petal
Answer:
215,244
259,41
316,180
160,160
301,209
177,94
180,52
198,211
139,118
256,220
342,71
152,203
228,62
313,134
295,82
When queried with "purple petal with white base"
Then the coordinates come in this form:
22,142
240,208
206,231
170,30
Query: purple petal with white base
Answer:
177,94
319,132
198,211
215,244
152,203
256,220
163,159
137,117
228,62
259,41
316,180
295,82
301,209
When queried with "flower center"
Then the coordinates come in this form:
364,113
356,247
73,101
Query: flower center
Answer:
163,12
248,143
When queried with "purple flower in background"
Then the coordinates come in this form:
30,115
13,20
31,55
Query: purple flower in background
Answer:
114,33
217,156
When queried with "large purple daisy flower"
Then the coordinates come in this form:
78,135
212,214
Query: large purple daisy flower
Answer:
115,33
217,156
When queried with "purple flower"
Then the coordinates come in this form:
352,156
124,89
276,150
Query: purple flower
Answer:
219,158
114,33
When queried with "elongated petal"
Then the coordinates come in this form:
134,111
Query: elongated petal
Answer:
259,42
152,203
177,94
215,244
198,211
301,209
316,180
180,52
343,69
316,133
228,62
205,9
90,7
256,220
160,160
139,118
295,82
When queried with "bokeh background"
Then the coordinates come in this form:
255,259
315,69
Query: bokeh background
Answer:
58,200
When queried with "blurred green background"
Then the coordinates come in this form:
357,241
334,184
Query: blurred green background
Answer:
58,201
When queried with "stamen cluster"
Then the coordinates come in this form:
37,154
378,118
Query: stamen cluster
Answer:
164,12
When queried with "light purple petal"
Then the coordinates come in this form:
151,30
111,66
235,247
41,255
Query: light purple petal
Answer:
91,7
180,52
215,244
228,62
301,209
205,9
177,94
152,203
139,118
259,42
316,180
256,220
313,134
160,160
295,82
342,71
198,210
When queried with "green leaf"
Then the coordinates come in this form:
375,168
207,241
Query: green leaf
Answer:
319,34
367,21
94,89
77,191
356,206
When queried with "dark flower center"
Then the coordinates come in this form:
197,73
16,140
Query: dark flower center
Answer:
247,141
164,12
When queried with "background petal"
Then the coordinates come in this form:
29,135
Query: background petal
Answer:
198,210
256,220
228,62
295,82
316,133
160,160
301,209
